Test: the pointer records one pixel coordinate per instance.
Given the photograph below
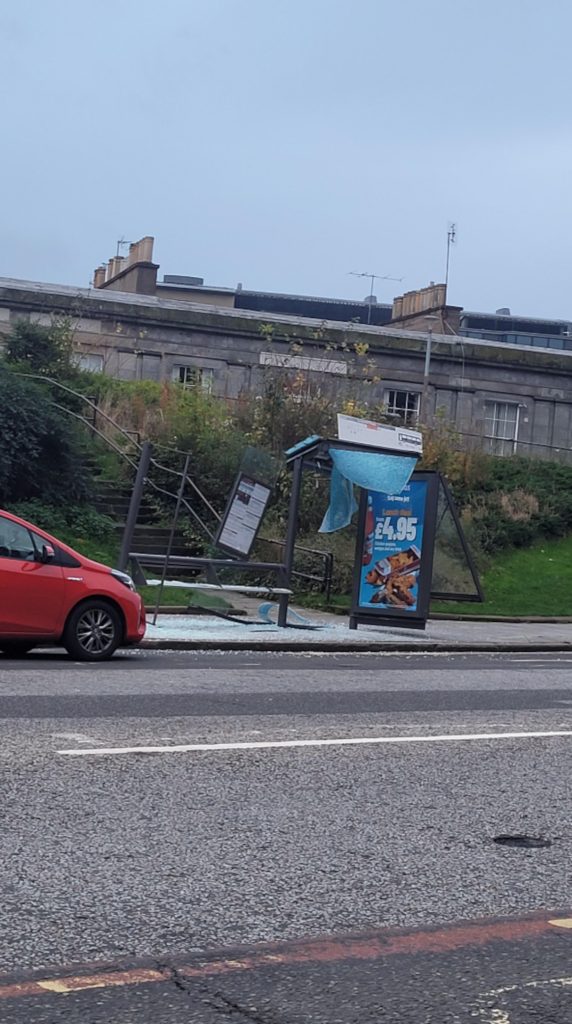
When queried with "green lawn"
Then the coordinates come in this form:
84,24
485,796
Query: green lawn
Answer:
522,581
525,581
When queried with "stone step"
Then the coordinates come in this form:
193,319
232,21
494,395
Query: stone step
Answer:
160,549
105,488
154,539
116,508
151,530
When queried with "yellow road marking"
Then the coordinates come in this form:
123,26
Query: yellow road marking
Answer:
562,922
111,980
55,986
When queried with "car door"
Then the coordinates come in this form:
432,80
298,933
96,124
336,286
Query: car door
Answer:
31,591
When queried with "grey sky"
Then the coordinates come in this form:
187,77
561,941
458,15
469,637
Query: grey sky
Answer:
283,143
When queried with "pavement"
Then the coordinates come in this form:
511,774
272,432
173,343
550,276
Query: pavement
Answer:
285,837
332,633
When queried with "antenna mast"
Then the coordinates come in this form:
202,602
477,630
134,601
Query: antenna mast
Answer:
451,237
121,243
372,278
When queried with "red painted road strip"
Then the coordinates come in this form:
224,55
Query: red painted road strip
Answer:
366,946
377,945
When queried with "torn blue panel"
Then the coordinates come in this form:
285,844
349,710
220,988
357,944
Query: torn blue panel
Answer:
373,471
342,503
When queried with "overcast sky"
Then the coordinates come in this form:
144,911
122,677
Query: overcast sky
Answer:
284,143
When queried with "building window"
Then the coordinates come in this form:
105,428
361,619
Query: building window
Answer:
403,406
194,377
501,427
90,362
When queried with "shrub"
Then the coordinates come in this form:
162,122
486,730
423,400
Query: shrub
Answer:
515,502
80,526
65,520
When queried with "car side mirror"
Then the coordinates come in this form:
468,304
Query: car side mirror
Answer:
48,554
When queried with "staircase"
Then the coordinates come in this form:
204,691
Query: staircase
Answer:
113,500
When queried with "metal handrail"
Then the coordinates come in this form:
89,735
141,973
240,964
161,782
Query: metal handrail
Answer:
119,451
327,577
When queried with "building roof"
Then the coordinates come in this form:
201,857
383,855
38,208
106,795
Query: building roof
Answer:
186,286
313,298
512,316
220,314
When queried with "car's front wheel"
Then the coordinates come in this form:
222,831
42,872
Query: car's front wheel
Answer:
94,631
15,648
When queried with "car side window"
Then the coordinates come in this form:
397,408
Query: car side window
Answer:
61,557
16,541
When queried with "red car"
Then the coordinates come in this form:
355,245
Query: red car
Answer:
49,594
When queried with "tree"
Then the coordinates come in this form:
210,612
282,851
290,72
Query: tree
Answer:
39,456
44,350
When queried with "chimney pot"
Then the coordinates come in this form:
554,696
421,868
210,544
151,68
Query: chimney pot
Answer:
145,249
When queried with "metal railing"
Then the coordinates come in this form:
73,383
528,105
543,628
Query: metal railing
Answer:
324,579
507,447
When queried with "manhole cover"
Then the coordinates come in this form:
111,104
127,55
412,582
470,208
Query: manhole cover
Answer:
524,842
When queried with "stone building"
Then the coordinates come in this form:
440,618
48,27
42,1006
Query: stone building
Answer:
508,398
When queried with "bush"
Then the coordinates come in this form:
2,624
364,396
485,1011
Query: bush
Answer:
63,520
80,526
516,502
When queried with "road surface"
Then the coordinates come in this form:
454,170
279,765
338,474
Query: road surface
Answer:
190,836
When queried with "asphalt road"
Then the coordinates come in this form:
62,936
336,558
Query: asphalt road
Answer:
180,863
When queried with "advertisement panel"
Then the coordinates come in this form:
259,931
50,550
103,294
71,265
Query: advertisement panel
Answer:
243,516
395,553
393,543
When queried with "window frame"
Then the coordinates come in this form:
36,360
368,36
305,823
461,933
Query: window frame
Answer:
81,356
204,376
409,415
504,443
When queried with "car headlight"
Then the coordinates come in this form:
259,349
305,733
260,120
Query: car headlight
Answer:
124,578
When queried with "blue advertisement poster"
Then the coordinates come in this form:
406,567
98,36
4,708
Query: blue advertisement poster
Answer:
393,543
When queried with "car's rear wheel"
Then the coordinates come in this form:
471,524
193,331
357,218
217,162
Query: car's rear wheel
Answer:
94,631
15,648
